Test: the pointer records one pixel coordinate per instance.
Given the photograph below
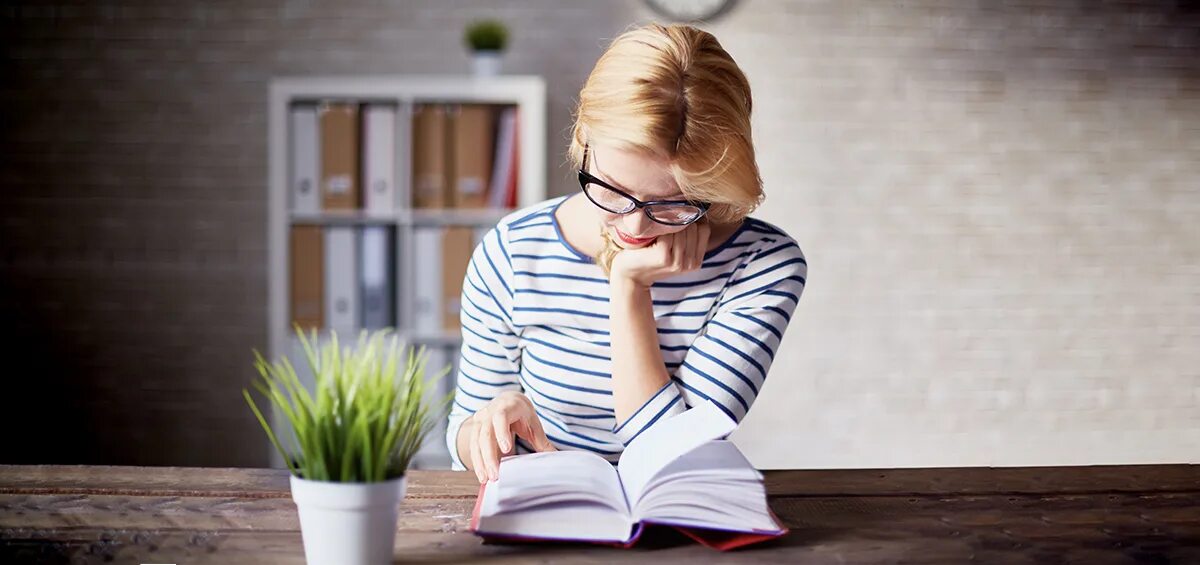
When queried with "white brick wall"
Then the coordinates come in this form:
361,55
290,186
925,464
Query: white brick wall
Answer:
999,209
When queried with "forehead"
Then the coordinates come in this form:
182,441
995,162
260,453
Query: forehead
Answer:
644,176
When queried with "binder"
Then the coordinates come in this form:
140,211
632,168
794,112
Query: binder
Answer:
339,156
472,137
514,171
457,244
427,280
377,289
502,165
429,156
341,281
379,158
303,158
307,250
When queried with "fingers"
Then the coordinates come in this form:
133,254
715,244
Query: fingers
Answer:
488,451
688,248
539,439
476,459
693,250
679,250
530,428
503,433
534,435
703,233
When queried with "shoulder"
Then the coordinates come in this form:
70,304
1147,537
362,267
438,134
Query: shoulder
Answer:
540,214
774,264
516,224
766,244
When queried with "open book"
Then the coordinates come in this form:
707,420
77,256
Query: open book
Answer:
680,472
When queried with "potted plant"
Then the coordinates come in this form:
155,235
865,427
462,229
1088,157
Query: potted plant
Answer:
487,40
355,434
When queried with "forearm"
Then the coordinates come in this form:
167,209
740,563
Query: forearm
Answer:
638,370
463,442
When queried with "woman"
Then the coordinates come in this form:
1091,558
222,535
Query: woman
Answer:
588,318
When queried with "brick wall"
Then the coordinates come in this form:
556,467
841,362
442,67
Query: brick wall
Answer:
997,201
133,270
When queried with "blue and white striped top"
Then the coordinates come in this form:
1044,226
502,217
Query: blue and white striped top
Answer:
535,320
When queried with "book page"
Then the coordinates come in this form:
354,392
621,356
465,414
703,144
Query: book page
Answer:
718,460
666,441
567,495
542,478
562,521
733,498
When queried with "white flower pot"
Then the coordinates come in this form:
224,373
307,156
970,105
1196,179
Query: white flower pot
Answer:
486,63
348,523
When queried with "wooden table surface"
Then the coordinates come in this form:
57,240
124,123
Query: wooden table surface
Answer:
1117,514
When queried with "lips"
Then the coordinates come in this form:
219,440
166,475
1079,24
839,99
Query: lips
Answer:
633,240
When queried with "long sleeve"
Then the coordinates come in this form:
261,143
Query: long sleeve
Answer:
728,362
490,358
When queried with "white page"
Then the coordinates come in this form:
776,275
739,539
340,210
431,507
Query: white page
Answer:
526,480
713,485
666,441
562,521
557,494
718,460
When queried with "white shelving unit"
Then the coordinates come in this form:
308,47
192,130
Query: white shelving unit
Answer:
528,93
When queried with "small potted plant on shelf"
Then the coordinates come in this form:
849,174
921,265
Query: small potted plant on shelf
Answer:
487,40
354,436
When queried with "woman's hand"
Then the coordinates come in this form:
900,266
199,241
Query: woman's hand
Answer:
669,255
493,428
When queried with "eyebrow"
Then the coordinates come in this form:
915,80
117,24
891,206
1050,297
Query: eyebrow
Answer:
622,186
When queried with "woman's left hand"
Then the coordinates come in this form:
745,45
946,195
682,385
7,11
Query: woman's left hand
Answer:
669,255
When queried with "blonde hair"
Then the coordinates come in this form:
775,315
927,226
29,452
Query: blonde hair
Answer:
672,92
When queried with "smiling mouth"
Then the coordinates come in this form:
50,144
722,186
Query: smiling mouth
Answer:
633,240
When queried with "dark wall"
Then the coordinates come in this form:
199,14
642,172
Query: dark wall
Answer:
132,208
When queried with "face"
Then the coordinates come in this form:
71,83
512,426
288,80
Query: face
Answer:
645,178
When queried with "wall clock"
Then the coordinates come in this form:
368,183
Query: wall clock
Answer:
690,10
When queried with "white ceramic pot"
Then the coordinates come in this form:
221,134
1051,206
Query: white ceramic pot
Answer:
486,63
348,523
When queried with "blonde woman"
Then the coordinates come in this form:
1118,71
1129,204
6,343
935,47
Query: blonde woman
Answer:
587,318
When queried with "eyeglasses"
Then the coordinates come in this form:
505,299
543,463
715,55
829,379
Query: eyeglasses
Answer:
617,201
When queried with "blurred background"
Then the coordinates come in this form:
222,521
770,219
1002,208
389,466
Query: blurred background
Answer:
998,202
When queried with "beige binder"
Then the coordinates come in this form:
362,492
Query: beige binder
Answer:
307,277
429,156
339,156
457,245
473,138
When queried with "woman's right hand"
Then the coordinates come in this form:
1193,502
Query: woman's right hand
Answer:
493,428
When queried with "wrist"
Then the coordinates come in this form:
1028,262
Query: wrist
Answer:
623,286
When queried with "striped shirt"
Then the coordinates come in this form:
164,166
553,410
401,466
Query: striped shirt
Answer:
535,320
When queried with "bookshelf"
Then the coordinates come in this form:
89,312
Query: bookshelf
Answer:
402,222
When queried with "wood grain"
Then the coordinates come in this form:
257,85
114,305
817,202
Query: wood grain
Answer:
1111,514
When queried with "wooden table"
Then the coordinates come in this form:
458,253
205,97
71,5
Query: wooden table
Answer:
1123,514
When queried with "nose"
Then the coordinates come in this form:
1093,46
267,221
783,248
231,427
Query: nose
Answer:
637,224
